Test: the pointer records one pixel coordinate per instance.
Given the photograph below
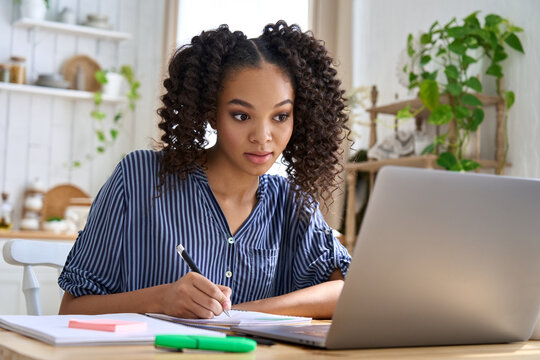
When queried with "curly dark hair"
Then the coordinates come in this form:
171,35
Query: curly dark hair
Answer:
196,75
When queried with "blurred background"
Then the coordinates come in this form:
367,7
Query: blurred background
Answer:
63,130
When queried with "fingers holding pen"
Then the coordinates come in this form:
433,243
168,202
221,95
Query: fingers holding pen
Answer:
227,292
194,296
218,297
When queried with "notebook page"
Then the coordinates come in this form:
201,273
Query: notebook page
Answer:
246,318
54,330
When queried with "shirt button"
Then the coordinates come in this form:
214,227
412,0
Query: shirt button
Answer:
327,231
230,240
228,274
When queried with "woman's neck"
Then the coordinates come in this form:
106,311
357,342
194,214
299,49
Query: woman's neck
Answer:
228,183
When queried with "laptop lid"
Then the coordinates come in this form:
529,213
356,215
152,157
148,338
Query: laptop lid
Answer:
442,258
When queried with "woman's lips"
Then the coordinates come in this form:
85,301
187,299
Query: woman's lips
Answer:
258,158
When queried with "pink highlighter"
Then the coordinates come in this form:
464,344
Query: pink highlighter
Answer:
108,325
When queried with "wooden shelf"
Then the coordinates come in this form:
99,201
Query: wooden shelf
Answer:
26,23
423,161
72,94
416,103
426,161
36,235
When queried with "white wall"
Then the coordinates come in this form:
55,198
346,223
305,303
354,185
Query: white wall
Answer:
381,29
40,134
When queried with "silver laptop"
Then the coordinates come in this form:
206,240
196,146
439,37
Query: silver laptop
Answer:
442,258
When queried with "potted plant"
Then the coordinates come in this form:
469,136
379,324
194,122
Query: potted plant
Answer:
447,63
111,83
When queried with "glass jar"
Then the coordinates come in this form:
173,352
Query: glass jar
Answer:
18,70
4,72
6,210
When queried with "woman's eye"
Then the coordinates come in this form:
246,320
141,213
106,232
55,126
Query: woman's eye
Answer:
281,117
241,116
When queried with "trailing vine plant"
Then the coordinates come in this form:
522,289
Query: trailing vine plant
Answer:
442,68
107,136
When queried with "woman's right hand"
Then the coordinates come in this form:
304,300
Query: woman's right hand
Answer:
194,296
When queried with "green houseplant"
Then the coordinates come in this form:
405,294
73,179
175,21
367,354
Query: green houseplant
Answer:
107,135
443,66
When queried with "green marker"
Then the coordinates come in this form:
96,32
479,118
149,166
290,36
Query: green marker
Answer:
228,344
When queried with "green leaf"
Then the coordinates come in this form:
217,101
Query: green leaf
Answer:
412,77
404,113
471,100
454,89
474,84
100,149
510,98
447,160
440,140
495,70
472,20
457,32
425,38
513,41
127,72
462,112
515,29
426,75
100,135
469,165
451,72
477,118
429,93
425,59
441,51
98,97
457,47
405,69
499,54
493,20
76,164
114,134
98,115
410,48
467,60
117,117
101,77
441,115
430,149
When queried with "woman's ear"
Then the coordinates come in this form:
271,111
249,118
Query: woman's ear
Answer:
212,123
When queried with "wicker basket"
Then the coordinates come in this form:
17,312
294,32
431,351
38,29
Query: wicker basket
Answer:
58,198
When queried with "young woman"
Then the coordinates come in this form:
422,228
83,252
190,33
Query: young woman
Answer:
259,240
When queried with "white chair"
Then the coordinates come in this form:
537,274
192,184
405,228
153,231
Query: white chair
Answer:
29,253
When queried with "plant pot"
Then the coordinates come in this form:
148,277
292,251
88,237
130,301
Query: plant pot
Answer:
33,9
113,87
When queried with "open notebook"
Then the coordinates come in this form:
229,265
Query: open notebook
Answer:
54,330
244,318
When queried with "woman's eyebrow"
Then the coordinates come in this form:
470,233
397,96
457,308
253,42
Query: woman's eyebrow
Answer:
241,102
248,105
288,101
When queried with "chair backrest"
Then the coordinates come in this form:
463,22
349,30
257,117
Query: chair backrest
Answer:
30,253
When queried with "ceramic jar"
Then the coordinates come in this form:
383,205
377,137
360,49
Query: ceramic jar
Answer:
33,9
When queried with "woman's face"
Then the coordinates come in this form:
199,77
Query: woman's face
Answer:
254,118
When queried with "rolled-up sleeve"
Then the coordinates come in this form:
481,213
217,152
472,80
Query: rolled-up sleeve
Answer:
318,254
93,267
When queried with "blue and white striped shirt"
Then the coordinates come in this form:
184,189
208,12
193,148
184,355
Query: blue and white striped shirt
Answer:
130,238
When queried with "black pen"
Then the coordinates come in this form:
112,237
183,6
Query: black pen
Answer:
183,253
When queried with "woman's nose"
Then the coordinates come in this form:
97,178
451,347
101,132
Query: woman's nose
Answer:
261,132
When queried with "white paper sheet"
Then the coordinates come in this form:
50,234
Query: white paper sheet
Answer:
53,329
244,318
